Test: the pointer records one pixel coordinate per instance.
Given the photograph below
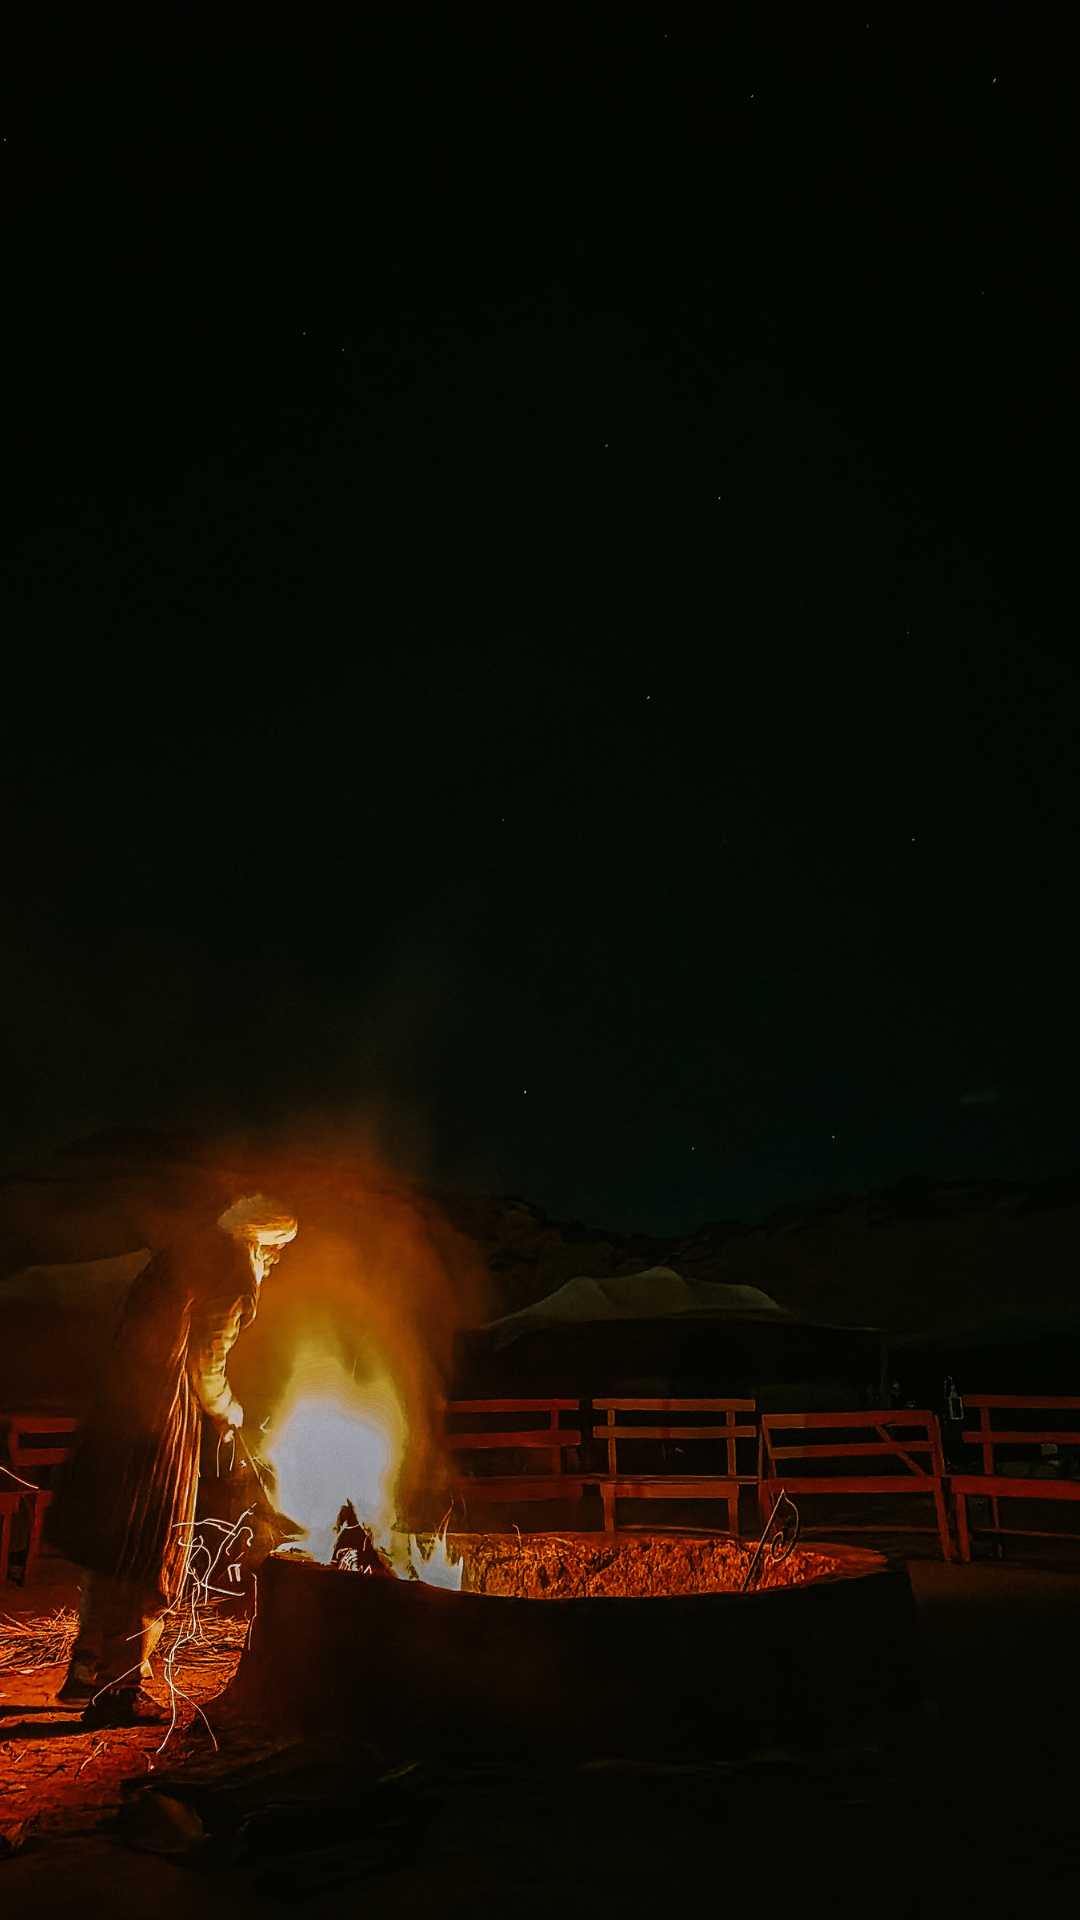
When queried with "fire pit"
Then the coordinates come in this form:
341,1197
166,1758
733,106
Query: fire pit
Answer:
637,1642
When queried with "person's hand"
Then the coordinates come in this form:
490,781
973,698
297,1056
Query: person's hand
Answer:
235,1416
260,1467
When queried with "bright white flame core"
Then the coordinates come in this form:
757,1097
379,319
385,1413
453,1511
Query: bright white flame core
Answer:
336,1439
435,1567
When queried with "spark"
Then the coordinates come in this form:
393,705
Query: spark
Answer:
19,1481
101,1747
200,1583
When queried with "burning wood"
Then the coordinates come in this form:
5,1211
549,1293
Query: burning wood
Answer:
356,1551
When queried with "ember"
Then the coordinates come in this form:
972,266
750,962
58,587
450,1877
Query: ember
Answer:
550,1567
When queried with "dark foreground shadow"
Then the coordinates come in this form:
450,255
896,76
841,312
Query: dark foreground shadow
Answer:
23,1706
42,1729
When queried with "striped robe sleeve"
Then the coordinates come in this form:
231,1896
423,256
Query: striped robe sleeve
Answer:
216,1322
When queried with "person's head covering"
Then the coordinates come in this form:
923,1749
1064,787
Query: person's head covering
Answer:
258,1221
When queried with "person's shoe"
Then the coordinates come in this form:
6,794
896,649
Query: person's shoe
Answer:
75,1691
122,1707
79,1684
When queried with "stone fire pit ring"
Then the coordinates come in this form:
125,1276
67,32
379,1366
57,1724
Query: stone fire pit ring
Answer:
716,1672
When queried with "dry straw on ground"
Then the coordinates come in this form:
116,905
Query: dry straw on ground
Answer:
43,1640
555,1567
39,1640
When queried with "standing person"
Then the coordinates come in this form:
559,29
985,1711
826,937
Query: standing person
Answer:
125,1510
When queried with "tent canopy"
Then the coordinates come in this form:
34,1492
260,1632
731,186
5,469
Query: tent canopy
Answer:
658,1293
657,1333
56,1323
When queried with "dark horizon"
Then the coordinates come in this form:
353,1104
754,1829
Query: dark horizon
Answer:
140,1154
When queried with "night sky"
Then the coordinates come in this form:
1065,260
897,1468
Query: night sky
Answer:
540,602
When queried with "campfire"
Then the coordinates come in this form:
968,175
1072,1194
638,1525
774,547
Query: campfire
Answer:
337,1448
632,1642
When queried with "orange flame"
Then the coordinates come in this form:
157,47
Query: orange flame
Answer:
336,1439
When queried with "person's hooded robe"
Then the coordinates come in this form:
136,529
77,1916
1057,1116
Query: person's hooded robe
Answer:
127,1502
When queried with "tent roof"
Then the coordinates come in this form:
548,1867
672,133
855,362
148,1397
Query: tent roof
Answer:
56,1324
658,1293
72,1286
